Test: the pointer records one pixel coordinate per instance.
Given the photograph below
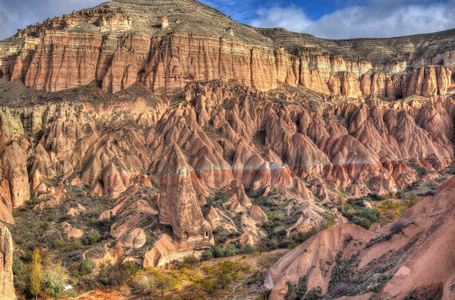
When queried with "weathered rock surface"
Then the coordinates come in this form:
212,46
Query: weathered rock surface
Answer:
396,263
54,56
6,265
178,204
252,122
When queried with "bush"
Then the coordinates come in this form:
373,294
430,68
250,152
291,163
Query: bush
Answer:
273,243
71,293
93,237
54,281
217,252
365,223
92,221
58,243
45,225
87,266
230,250
249,248
399,194
371,214
397,226
33,201
145,284
206,255
190,262
74,245
18,266
132,269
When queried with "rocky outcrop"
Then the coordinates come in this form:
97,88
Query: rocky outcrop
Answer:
6,265
178,204
85,46
169,62
408,247
309,259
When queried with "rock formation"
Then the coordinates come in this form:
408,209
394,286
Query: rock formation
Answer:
174,128
6,265
166,62
393,262
178,204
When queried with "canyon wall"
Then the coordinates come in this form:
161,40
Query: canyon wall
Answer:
61,60
6,265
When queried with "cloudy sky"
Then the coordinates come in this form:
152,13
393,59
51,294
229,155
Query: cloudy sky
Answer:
324,18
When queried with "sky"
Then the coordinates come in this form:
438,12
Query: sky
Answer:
334,19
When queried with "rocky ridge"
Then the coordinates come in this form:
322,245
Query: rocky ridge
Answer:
391,262
121,42
170,128
211,156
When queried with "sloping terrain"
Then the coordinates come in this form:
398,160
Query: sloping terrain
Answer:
412,259
153,131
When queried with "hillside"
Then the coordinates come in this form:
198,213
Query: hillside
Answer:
139,134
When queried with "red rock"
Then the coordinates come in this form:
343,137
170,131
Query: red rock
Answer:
179,207
6,264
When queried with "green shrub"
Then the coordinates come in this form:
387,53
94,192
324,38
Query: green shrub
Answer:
45,225
33,201
230,250
268,225
273,243
207,255
363,222
58,243
371,214
190,262
71,293
87,266
18,267
399,194
93,237
249,248
132,269
217,252
74,245
92,221
54,281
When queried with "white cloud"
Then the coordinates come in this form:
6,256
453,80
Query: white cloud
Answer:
16,14
375,19
291,18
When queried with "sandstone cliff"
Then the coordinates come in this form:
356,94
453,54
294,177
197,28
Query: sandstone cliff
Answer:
170,138
6,265
75,50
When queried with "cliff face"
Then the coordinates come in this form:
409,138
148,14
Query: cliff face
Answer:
247,128
104,44
6,265
64,60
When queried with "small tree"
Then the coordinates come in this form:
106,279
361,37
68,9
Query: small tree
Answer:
36,273
164,283
54,281
262,245
206,255
87,266
132,269
217,252
249,248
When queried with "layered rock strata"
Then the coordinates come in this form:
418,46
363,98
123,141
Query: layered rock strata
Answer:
169,62
164,53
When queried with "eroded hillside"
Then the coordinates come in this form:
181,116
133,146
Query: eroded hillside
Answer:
153,131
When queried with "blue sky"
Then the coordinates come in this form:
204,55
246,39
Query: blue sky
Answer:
334,19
